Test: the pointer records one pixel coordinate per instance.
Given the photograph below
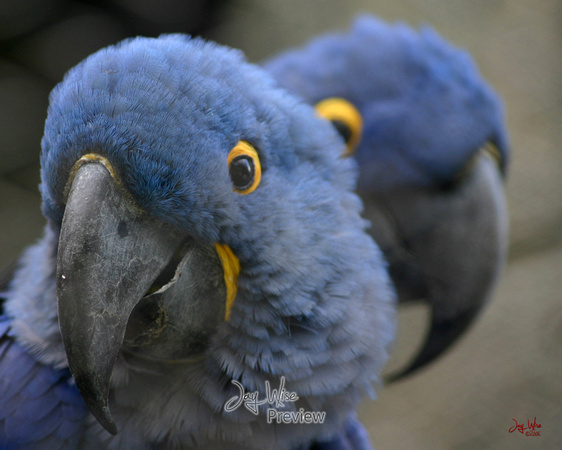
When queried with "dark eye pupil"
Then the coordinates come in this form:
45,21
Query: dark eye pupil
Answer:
342,129
242,172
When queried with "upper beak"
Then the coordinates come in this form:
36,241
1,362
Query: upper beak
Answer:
111,256
445,248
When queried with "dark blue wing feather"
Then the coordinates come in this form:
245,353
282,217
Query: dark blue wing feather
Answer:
352,437
39,407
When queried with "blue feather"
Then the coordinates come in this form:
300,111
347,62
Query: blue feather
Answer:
433,155
34,400
406,84
314,302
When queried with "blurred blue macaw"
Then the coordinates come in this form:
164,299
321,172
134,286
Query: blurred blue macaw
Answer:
429,136
203,241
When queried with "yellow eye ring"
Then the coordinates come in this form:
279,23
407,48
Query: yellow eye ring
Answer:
345,117
244,168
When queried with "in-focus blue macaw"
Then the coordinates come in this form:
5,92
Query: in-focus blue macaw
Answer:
432,150
203,237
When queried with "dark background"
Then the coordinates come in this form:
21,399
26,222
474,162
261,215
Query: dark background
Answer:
509,366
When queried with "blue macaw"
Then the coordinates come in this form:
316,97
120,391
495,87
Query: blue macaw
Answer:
203,244
429,136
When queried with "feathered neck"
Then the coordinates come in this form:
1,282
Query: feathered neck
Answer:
32,300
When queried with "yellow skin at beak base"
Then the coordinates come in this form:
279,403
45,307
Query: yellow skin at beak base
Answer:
231,267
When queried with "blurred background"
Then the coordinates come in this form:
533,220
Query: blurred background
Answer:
509,365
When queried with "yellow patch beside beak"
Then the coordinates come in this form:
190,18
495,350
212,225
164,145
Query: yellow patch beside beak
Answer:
493,152
231,268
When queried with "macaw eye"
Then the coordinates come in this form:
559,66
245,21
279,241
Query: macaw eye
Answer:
345,118
244,168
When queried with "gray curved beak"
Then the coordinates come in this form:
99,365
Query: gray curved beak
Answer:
445,247
126,280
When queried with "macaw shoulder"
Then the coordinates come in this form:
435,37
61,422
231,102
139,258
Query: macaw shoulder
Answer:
39,406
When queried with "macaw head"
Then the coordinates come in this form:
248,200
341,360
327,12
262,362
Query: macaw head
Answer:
409,88
206,220
429,137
